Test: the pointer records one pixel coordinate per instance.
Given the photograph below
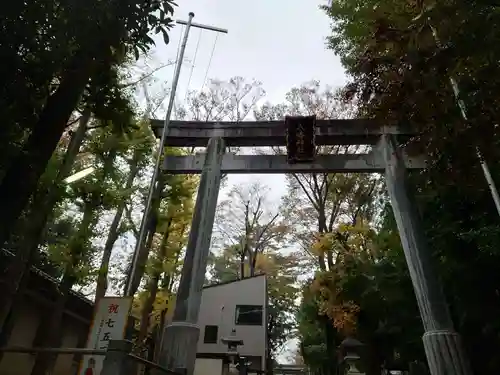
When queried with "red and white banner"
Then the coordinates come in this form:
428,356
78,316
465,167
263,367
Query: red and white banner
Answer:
109,323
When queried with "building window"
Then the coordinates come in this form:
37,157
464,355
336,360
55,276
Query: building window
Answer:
211,333
248,315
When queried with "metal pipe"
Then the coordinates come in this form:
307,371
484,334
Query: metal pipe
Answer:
144,221
150,364
206,27
17,349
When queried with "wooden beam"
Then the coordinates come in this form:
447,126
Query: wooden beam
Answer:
271,133
47,302
343,163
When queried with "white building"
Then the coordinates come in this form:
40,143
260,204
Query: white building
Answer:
239,305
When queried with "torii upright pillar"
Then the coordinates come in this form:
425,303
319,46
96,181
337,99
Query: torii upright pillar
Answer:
443,345
180,338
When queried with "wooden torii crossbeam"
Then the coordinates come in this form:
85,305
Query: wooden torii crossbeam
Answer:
273,133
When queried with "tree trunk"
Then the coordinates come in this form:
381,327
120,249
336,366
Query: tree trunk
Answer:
45,361
8,323
167,285
242,265
158,338
148,304
22,177
322,228
170,278
253,262
42,207
45,201
144,249
102,279
153,287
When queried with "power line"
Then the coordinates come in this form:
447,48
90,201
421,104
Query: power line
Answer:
192,65
210,62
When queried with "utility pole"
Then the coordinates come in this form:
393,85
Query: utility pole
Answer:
180,338
156,185
193,273
133,277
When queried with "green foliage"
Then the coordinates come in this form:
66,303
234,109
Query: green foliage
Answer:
400,75
370,297
164,263
43,36
312,328
70,59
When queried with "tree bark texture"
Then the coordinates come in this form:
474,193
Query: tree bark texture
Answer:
22,177
42,207
144,249
102,279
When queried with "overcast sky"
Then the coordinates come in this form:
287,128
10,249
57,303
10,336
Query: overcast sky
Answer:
278,42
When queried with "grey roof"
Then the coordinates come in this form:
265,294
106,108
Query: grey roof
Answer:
233,281
47,277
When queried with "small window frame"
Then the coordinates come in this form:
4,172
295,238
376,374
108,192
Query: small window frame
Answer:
211,334
247,309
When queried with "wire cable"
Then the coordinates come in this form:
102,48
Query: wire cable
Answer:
192,65
209,62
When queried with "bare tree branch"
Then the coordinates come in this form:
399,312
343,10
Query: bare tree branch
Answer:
147,75
128,213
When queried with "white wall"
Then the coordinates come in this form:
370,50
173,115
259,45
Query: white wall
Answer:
205,366
218,307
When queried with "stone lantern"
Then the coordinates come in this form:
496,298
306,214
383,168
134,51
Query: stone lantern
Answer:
232,353
350,349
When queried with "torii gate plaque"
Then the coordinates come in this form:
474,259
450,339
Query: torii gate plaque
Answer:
442,344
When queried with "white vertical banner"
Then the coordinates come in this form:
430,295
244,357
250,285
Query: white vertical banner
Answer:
109,323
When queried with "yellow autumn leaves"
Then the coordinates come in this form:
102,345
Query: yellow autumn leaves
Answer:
163,301
347,242
343,314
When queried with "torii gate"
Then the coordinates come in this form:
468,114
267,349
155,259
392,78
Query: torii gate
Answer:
442,344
